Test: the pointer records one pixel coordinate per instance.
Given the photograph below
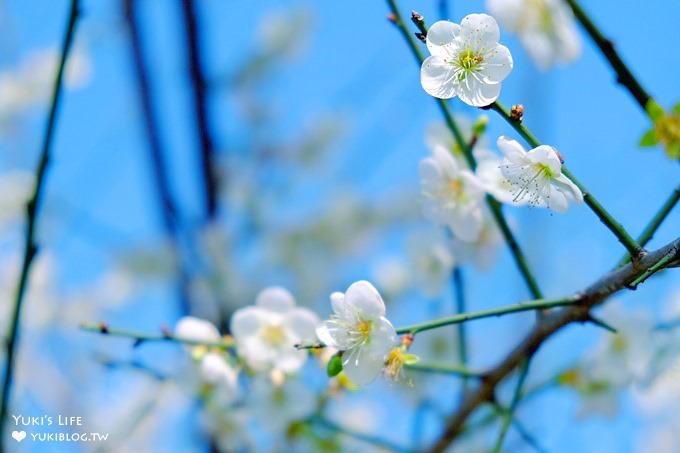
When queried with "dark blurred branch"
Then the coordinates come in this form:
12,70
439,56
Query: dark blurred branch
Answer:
623,74
30,243
198,84
168,209
592,296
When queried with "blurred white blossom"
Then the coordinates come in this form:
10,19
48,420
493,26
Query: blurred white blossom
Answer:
546,28
452,194
266,333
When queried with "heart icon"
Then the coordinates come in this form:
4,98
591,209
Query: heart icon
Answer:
19,435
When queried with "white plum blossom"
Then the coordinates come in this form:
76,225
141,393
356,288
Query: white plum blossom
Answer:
536,176
266,333
452,195
466,60
358,327
546,28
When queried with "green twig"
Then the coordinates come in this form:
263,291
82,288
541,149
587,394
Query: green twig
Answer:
30,243
656,222
459,296
141,337
516,397
367,438
634,249
623,74
661,264
458,370
463,317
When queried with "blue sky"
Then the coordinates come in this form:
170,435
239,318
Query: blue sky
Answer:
354,68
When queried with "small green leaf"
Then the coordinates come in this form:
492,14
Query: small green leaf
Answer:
654,110
649,139
334,366
673,150
676,109
410,359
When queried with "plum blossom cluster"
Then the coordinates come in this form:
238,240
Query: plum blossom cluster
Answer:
453,194
266,337
468,62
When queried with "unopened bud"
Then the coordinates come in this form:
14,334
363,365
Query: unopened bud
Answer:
421,36
407,340
392,18
517,112
480,125
417,17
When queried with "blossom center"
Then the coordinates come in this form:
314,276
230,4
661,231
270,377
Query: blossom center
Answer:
394,363
457,189
543,170
667,129
363,329
273,335
468,61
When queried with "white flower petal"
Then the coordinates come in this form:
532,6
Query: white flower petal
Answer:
467,224
301,324
215,370
440,37
512,150
557,201
480,31
476,93
290,360
275,299
497,64
383,338
438,78
546,155
567,186
332,334
430,173
247,321
365,299
362,368
197,329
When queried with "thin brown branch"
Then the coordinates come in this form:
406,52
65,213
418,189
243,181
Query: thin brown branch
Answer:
592,296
